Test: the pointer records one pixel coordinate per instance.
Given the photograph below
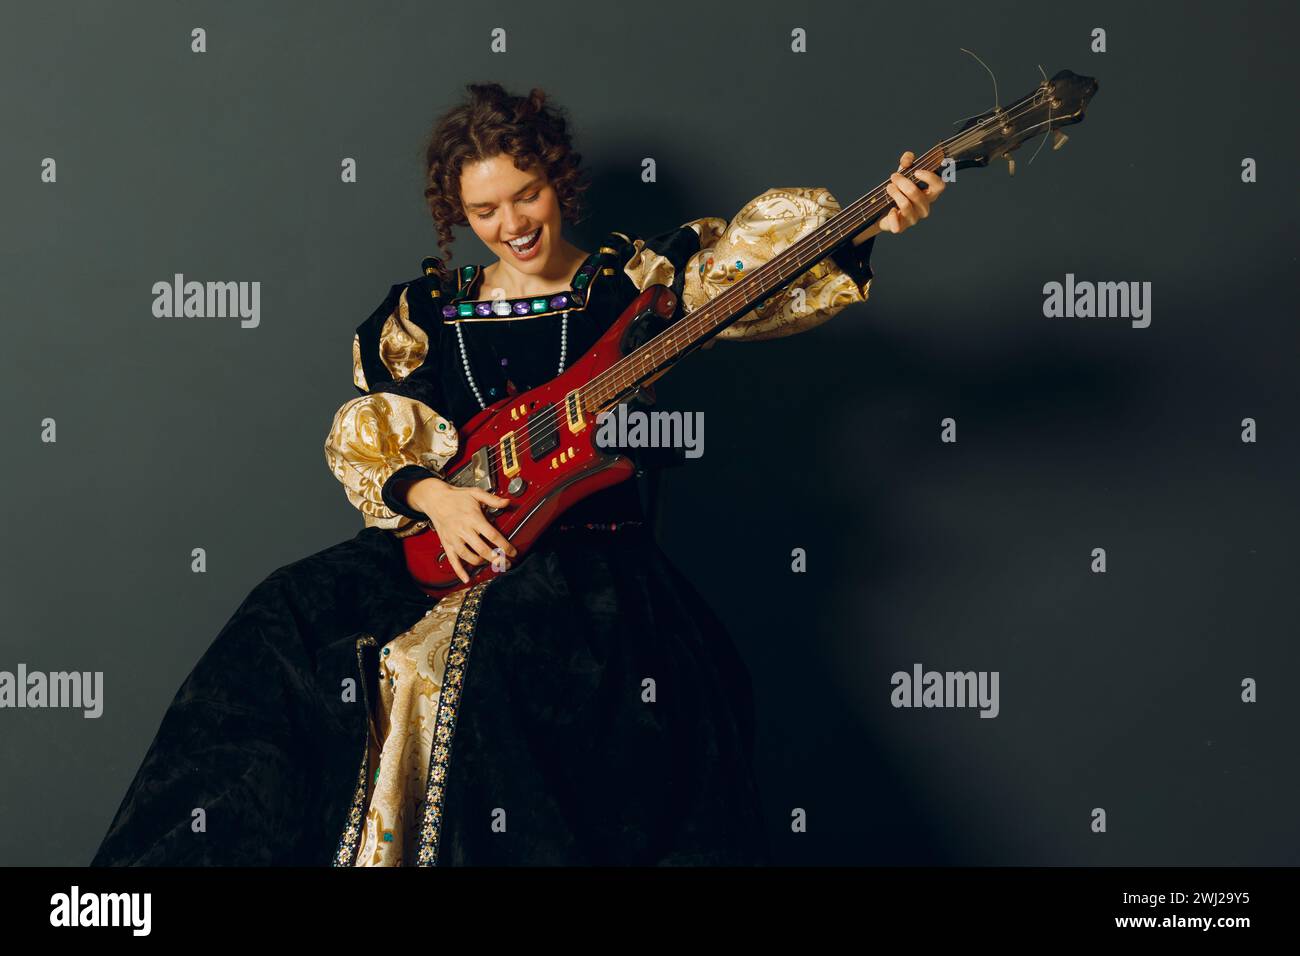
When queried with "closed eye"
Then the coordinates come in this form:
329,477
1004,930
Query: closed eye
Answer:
532,198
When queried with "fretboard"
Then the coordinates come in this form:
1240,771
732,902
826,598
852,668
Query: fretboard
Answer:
697,327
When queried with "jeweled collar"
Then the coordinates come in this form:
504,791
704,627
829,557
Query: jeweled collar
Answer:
598,265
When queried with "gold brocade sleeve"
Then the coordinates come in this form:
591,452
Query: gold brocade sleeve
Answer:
373,436
765,226
395,424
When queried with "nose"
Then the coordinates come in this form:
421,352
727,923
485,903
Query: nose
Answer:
515,224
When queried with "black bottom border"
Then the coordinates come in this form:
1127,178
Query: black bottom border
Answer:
339,905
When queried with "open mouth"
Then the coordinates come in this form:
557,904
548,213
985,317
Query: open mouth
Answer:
526,244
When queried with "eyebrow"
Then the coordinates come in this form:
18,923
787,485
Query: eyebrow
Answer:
527,186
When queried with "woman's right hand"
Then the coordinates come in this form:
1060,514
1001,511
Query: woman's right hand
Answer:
457,516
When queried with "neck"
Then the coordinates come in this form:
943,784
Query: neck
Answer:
555,276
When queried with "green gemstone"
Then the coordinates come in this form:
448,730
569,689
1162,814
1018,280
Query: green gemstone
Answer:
739,264
539,305
467,271
580,281
388,836
465,308
376,775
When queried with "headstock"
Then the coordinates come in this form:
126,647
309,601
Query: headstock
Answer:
1057,102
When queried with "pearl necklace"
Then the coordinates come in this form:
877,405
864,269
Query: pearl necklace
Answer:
464,358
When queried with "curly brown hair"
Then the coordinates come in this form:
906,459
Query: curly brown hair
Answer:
491,122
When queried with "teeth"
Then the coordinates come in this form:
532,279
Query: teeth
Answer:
520,243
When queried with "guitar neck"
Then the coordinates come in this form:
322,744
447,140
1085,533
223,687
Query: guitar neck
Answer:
1058,101
692,330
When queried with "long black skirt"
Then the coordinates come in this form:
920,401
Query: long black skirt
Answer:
554,719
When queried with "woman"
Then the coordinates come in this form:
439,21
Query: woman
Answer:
586,706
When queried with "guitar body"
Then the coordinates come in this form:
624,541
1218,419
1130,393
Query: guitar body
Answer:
539,449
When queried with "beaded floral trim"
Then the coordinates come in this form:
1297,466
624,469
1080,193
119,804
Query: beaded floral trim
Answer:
444,727
351,838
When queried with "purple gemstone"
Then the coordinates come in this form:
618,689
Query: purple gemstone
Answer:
483,308
504,361
559,301
449,312
587,270
521,307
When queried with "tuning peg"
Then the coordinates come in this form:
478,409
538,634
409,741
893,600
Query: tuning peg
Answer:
1058,139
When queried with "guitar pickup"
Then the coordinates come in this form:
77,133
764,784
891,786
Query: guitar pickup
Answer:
573,411
543,432
509,458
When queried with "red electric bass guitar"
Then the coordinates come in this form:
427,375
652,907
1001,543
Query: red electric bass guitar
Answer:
538,447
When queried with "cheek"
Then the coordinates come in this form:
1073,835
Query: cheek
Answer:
551,211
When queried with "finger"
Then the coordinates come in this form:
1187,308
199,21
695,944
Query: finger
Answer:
456,565
916,208
909,188
916,195
890,221
906,160
496,501
900,200
489,531
901,222
466,551
481,547
933,183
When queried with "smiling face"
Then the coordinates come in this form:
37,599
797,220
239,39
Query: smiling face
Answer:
504,203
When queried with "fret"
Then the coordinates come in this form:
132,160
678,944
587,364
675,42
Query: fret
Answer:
760,284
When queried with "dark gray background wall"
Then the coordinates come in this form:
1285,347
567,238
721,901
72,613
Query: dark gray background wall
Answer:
1118,690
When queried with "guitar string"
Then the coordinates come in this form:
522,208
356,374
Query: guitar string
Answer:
652,353
645,359
549,419
702,319
695,322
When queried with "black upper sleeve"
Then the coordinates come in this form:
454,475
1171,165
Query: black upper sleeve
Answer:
422,384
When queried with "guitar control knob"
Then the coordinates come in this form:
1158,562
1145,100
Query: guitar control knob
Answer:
516,485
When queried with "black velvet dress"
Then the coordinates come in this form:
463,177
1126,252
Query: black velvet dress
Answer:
547,747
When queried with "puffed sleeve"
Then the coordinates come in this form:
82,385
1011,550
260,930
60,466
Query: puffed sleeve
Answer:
394,431
701,258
